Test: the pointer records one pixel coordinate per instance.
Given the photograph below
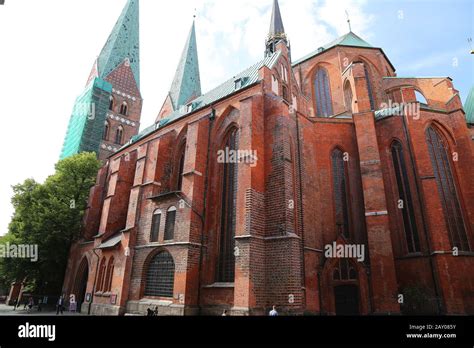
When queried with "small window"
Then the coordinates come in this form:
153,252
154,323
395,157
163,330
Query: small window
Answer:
180,172
155,226
111,103
119,135
124,109
285,93
101,276
105,136
109,276
170,222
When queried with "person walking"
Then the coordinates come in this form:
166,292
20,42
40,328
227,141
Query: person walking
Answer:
60,305
15,303
273,312
31,303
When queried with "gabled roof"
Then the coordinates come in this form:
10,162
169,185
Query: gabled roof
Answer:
187,82
349,39
469,107
245,79
123,42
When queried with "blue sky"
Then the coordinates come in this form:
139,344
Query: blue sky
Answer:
46,58
428,39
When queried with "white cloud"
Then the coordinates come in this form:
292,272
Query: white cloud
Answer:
48,48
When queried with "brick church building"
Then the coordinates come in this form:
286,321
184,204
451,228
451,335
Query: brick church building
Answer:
325,185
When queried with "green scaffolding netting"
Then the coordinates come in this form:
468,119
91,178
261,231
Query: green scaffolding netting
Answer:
87,122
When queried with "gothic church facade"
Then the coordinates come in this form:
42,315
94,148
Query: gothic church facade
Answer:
333,149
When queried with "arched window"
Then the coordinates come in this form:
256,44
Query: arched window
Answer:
105,136
226,261
119,135
170,222
111,103
101,276
155,226
109,275
341,193
439,154
160,276
348,96
344,271
180,173
124,109
369,88
404,193
322,93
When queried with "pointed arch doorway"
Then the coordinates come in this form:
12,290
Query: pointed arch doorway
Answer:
80,286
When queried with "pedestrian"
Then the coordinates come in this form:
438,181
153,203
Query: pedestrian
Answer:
149,312
72,305
60,305
224,313
155,312
31,303
40,302
273,312
15,302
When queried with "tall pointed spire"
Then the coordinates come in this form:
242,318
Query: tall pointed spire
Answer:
186,84
123,43
277,30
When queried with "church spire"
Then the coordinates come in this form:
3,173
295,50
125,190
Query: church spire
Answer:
277,30
123,43
186,84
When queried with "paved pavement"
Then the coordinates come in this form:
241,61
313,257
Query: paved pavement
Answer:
8,311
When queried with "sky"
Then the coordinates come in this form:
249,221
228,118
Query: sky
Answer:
48,47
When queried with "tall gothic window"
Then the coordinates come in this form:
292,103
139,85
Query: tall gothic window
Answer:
124,109
119,135
155,226
322,93
160,276
180,173
170,222
101,276
404,193
341,196
226,261
369,88
439,154
109,275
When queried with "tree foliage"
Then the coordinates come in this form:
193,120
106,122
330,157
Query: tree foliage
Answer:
49,215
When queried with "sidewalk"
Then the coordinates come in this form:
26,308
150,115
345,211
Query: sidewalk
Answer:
8,311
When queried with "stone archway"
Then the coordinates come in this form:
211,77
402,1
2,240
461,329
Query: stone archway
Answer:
80,285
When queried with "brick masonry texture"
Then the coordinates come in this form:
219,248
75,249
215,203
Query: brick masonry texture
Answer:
285,210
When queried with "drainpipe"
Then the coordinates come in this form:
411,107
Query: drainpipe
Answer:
298,144
423,218
95,280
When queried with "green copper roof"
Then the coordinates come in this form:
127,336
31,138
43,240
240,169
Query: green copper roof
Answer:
187,82
246,78
350,39
123,42
469,107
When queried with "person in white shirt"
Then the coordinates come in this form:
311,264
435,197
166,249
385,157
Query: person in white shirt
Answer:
273,312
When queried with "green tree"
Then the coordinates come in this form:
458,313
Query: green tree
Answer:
49,215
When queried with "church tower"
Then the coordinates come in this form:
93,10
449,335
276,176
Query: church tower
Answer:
276,34
107,114
186,84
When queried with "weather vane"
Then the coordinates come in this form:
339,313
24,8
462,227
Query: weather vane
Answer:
348,21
